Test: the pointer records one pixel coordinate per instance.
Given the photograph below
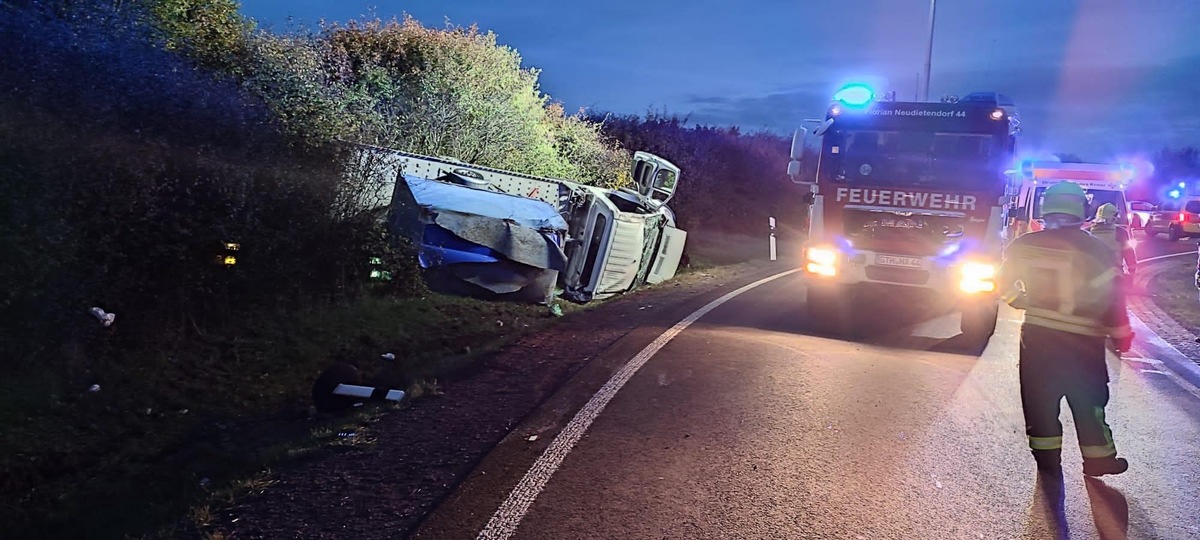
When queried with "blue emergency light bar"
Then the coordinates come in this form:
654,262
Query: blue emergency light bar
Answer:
995,99
855,95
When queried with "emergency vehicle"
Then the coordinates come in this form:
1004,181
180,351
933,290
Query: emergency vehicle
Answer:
907,204
1103,183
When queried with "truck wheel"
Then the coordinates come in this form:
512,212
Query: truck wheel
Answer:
827,310
978,325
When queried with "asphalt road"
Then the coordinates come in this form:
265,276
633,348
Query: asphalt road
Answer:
1154,247
746,426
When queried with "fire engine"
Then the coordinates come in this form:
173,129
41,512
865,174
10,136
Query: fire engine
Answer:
907,203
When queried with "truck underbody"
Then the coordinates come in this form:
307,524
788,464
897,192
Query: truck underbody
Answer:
505,235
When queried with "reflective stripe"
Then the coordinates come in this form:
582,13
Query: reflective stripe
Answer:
1120,332
1091,452
1104,278
1110,448
1062,321
1046,443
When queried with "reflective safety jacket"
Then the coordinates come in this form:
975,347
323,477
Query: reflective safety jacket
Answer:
1067,280
1117,239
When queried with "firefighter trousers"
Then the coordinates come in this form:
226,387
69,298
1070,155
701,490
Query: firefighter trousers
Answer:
1056,364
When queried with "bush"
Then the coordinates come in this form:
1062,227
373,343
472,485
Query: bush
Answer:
456,92
123,169
732,181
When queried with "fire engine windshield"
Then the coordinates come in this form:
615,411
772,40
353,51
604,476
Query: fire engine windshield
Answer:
914,158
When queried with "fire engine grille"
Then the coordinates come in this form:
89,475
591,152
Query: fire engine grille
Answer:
910,276
910,235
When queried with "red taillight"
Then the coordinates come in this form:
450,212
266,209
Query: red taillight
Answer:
1183,217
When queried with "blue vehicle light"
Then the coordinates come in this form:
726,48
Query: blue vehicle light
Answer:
855,95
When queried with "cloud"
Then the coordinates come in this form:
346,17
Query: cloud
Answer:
1097,112
709,100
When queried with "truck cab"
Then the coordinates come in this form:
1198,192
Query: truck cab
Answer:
624,238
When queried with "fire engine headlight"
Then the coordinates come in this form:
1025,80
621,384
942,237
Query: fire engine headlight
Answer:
978,278
821,261
997,114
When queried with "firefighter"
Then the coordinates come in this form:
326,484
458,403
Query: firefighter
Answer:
1067,283
1115,236
1118,239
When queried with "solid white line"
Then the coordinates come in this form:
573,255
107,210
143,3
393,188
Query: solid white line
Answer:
1158,341
1166,256
508,517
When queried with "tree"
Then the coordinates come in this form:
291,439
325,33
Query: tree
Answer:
731,180
1173,165
456,92
212,32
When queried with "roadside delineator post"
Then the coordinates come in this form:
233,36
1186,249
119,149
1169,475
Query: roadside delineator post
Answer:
771,222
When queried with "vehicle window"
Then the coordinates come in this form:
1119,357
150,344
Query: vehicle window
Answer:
931,159
1141,206
1192,207
1096,198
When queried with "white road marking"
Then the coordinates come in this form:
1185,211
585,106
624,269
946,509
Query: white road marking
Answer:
1158,341
1140,261
508,517
1180,381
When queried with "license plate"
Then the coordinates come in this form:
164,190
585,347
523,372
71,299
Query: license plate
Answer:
895,260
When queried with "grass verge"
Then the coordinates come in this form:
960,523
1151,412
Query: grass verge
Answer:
192,421
1174,292
197,417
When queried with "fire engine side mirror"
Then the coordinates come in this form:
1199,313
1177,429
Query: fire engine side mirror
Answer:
794,167
798,139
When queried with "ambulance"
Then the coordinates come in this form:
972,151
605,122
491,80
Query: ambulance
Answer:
1103,183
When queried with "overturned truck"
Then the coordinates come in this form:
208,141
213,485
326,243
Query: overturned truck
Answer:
491,233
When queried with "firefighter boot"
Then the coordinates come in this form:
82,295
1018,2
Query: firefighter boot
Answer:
1105,465
1048,461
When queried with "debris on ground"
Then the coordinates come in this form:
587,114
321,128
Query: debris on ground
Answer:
105,318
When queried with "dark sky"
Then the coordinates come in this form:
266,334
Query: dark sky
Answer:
1101,78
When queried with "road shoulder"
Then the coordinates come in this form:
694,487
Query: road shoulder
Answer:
418,456
1160,336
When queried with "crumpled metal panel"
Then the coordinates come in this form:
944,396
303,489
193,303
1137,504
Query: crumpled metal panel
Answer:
475,242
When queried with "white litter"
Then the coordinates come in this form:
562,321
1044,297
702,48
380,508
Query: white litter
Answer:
104,317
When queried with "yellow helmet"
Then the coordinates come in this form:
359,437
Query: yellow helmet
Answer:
1065,198
1107,212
